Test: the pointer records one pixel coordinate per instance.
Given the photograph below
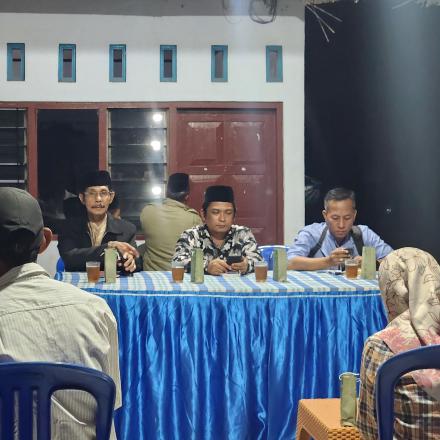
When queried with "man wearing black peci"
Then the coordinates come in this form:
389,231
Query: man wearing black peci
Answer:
85,239
218,237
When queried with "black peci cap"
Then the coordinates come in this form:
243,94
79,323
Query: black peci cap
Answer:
178,182
219,193
96,178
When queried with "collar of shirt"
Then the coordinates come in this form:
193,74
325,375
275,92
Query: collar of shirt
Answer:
20,272
204,233
172,202
343,241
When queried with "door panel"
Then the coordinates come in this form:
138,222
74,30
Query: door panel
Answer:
236,148
205,136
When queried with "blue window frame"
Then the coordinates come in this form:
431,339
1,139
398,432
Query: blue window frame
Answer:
168,64
67,63
274,64
117,55
219,63
15,62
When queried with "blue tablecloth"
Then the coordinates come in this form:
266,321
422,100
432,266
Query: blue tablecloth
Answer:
230,358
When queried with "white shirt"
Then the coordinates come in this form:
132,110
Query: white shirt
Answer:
46,320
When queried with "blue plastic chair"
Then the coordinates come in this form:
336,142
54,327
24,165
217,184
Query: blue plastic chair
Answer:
60,265
267,253
387,376
27,378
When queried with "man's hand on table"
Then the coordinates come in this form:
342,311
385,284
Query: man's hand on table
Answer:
128,253
217,267
240,267
337,256
358,258
123,248
129,262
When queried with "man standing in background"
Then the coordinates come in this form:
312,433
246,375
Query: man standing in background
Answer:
162,223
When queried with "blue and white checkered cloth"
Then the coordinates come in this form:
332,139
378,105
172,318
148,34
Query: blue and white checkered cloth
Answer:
299,284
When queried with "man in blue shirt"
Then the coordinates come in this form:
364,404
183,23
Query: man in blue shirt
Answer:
326,245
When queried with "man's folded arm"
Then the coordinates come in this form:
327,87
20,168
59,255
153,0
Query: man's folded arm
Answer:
75,258
306,263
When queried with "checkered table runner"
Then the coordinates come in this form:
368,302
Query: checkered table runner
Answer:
299,284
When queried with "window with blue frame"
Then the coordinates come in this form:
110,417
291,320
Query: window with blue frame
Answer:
117,62
274,64
219,63
168,63
67,63
15,62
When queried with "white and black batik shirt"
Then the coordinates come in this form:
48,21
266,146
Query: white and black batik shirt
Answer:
238,241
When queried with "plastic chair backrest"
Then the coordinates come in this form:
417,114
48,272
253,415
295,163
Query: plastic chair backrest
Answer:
60,265
387,376
267,253
42,378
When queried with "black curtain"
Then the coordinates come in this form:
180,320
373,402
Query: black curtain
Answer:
372,116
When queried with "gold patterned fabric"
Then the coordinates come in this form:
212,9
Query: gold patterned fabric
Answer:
97,231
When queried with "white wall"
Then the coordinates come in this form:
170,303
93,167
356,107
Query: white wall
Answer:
92,35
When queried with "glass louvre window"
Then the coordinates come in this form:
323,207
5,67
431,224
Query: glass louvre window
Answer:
274,64
219,63
67,63
15,62
168,70
117,62
13,164
137,154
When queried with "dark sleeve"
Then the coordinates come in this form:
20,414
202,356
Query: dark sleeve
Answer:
75,257
131,239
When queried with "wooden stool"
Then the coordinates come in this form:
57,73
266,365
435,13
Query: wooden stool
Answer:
320,419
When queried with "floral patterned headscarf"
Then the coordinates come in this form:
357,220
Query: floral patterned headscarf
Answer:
409,280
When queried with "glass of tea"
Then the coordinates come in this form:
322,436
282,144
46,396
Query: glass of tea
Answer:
93,268
177,271
351,268
260,271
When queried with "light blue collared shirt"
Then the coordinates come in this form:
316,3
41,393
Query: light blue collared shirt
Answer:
309,236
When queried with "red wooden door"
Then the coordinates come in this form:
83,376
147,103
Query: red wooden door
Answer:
237,148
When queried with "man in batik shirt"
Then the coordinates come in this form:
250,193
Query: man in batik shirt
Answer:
218,237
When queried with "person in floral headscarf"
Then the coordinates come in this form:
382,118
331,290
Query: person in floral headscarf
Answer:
409,280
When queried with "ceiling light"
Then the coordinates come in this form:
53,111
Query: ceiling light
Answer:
155,145
157,117
156,190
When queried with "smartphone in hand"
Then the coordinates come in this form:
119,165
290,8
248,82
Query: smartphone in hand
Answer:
350,252
234,259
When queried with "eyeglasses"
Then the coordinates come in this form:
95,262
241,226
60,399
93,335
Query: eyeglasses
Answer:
102,194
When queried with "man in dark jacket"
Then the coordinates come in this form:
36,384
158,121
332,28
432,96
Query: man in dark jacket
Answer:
84,239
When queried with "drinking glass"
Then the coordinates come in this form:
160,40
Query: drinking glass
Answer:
260,271
177,271
93,268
